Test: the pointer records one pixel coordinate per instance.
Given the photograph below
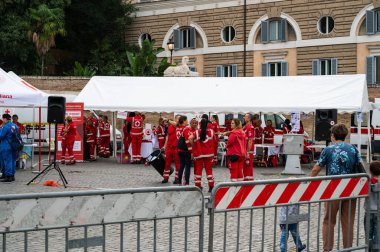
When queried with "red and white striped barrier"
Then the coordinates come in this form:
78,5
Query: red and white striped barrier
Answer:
260,195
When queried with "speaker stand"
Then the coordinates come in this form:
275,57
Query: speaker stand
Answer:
53,165
293,165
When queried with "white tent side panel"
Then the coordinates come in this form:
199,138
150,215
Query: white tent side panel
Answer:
347,93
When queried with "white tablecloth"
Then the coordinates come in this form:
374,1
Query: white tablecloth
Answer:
273,149
146,149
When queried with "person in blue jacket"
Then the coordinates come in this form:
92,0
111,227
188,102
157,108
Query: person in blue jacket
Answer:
8,155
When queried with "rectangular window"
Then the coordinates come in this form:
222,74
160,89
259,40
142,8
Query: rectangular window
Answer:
377,69
185,38
378,21
326,67
275,69
273,30
226,70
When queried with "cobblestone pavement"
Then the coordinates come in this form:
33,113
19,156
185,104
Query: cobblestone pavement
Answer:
107,174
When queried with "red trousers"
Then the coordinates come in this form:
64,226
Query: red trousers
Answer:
69,145
91,146
127,142
198,167
216,143
161,143
105,147
171,154
248,168
136,146
236,169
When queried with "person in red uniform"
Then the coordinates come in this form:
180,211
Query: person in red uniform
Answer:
137,131
105,137
171,151
91,117
161,131
236,151
68,134
286,127
215,128
21,128
127,140
203,151
269,133
184,153
258,132
91,138
249,137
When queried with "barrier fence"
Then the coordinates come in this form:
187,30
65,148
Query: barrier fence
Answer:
242,217
146,219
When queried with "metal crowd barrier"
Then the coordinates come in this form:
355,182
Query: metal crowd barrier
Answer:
146,219
244,216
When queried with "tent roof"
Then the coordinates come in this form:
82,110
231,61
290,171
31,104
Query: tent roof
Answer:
347,93
14,93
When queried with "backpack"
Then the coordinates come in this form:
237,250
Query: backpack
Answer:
16,142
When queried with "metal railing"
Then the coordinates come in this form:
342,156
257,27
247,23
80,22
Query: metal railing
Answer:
146,219
245,216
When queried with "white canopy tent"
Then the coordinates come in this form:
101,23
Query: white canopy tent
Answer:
14,93
347,93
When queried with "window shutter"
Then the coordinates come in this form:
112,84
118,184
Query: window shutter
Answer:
334,66
370,22
264,69
371,70
192,38
219,71
264,31
177,39
282,30
234,71
316,67
284,68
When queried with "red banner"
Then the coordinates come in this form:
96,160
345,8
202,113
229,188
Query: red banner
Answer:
75,110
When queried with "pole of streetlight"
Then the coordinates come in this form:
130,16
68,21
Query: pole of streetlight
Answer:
245,40
171,57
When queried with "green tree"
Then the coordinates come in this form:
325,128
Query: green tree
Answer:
46,23
80,70
144,62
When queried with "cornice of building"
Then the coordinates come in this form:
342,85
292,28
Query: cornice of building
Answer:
179,6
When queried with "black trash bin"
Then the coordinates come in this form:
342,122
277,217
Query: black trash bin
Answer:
157,160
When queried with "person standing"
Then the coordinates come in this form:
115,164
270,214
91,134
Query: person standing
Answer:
8,155
236,151
339,159
127,137
105,137
249,138
258,132
203,152
171,151
68,134
21,128
286,127
215,128
137,132
91,138
183,133
269,133
161,131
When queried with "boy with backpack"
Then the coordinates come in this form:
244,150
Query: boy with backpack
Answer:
374,169
9,148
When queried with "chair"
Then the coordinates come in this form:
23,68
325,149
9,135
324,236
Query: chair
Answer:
222,151
259,158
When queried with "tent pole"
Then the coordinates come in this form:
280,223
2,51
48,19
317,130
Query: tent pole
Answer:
114,134
49,143
39,138
313,129
369,137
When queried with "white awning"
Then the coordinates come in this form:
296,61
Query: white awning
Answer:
347,93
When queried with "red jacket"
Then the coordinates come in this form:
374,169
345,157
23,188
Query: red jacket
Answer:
104,129
258,135
20,127
69,132
236,144
137,125
186,132
286,129
249,132
94,121
90,134
160,132
172,137
269,135
203,149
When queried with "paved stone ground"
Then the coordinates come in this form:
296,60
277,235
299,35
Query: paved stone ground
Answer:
107,174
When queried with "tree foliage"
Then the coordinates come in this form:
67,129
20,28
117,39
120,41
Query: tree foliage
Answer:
144,62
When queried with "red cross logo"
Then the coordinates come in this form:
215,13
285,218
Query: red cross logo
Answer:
7,111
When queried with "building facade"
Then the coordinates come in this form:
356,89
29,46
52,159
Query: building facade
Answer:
282,37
